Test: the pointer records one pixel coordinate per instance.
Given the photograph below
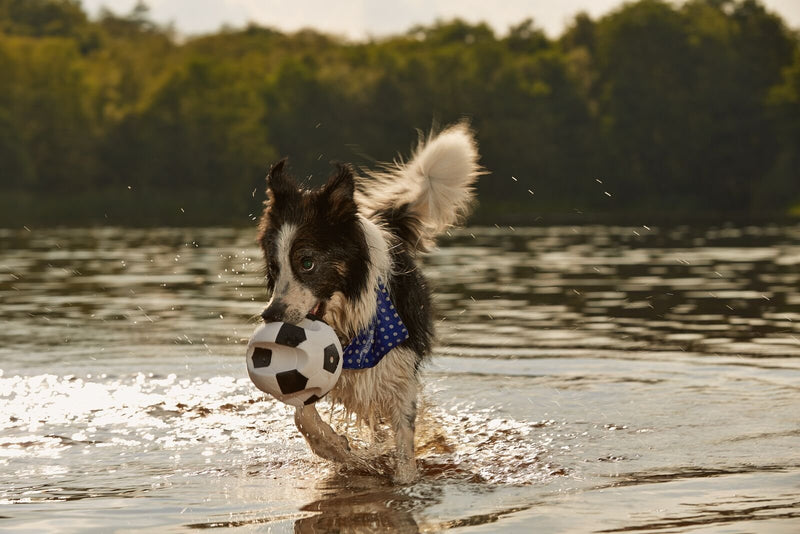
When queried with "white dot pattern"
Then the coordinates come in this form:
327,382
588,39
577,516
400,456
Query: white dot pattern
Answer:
372,343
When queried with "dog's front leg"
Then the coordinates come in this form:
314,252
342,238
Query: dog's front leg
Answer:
320,436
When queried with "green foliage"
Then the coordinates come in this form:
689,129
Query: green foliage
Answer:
782,183
42,18
48,18
689,110
44,114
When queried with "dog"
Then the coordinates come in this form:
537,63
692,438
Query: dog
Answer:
347,253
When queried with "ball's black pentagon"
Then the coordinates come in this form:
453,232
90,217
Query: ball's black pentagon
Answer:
312,399
331,358
262,357
290,335
291,381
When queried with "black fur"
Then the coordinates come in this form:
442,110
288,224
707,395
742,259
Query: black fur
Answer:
401,223
408,286
412,298
327,230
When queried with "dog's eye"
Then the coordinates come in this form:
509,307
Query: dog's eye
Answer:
307,264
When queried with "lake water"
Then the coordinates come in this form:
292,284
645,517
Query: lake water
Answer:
587,379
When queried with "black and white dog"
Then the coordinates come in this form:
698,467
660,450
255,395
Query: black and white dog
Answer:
346,252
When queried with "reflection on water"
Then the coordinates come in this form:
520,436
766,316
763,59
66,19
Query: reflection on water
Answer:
732,291
588,378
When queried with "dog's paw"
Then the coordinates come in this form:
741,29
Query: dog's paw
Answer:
328,451
335,449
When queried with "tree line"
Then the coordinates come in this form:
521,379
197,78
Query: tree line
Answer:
689,110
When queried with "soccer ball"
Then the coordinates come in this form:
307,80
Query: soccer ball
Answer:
295,364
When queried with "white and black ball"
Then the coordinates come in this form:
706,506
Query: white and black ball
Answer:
296,364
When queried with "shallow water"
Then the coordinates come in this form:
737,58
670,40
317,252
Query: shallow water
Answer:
602,379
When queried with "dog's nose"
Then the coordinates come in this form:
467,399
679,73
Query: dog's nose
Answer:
274,312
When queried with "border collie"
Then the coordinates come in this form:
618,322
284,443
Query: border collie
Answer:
346,252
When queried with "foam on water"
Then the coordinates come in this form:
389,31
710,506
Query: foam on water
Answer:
58,427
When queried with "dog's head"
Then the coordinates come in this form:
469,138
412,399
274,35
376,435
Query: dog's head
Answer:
313,243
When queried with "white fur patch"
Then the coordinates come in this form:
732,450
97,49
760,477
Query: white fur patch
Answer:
383,391
436,183
299,300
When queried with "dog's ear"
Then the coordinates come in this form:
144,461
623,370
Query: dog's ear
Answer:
339,192
341,183
278,181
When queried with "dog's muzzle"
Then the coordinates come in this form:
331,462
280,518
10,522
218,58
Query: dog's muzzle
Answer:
275,312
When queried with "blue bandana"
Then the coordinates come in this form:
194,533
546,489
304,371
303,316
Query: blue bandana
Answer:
385,332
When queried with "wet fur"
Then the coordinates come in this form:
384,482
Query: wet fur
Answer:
359,231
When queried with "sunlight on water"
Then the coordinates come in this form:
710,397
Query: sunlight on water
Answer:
55,427
588,379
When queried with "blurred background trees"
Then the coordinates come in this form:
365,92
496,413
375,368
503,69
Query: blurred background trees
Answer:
656,109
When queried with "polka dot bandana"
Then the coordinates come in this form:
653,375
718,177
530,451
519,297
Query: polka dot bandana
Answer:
385,332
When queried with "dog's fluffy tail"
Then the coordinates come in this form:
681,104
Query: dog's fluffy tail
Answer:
421,198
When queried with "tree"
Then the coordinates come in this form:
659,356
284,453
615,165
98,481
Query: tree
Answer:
46,116
782,183
48,18
686,108
200,129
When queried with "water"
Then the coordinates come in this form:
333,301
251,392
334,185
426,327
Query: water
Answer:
587,379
